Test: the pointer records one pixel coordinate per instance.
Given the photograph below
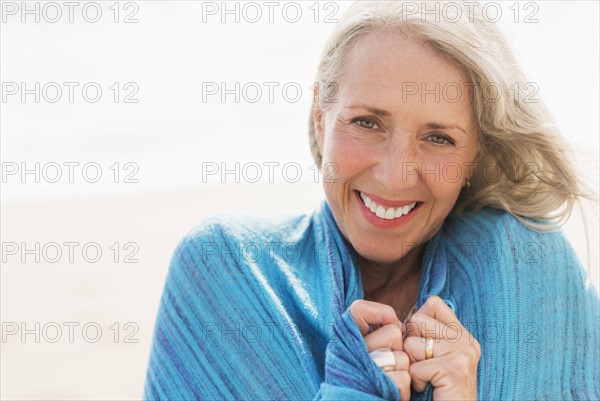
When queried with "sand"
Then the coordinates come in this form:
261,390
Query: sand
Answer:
120,299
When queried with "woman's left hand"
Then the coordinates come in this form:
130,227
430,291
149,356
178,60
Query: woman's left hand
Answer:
452,369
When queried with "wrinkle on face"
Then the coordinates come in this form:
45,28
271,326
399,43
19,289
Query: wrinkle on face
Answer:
372,83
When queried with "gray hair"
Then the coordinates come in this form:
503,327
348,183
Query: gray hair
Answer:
533,175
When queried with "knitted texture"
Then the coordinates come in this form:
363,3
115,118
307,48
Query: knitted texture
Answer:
258,309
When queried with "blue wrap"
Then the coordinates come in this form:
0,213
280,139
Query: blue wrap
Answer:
257,309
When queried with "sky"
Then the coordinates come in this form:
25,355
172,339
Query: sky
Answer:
156,124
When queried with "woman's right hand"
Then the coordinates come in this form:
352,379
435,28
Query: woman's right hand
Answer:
389,335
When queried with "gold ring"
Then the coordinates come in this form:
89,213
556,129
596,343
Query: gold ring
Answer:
429,348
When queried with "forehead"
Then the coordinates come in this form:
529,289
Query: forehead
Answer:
400,75
397,53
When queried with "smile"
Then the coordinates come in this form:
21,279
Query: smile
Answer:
387,213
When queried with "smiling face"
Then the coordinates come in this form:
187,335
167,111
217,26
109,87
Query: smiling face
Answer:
401,140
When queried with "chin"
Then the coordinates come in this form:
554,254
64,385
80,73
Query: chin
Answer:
379,253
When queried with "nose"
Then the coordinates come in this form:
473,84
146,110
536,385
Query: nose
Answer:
397,166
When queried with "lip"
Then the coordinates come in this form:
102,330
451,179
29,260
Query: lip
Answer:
387,203
383,223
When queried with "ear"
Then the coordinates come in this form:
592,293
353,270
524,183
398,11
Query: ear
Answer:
318,125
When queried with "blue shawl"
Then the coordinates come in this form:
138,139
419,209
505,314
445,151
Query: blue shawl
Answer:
257,309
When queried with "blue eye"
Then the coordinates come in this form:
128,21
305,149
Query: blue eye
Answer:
440,139
365,123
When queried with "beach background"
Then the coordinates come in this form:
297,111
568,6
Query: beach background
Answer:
161,145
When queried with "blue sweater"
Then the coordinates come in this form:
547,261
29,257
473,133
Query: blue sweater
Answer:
257,309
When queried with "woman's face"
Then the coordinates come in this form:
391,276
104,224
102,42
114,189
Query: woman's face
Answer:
401,141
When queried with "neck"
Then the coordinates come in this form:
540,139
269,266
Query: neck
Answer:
395,284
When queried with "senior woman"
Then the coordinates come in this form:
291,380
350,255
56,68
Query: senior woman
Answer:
433,270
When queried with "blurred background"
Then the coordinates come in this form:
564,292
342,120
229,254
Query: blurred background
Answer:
121,124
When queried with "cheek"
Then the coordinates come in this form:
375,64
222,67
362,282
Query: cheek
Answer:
447,172
346,155
444,176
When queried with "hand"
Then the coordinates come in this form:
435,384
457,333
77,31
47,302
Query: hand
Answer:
452,370
367,313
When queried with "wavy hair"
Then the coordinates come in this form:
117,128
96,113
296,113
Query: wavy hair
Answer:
524,165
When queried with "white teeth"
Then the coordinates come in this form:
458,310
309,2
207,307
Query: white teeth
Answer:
389,214
383,213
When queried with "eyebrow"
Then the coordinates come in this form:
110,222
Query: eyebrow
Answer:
384,113
445,126
372,110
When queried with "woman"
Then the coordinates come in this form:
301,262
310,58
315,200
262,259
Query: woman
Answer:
432,271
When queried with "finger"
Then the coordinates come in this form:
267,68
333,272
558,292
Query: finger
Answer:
366,313
388,336
415,348
402,360
424,372
402,380
448,370
418,385
436,308
421,325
